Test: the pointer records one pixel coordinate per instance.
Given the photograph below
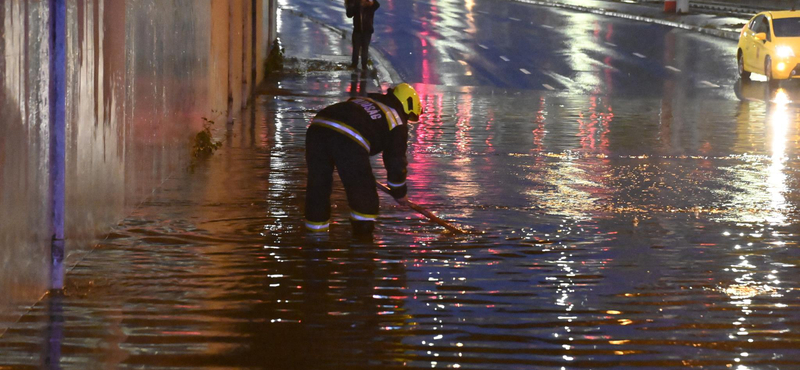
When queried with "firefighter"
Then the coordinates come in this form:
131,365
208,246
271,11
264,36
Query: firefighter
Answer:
344,135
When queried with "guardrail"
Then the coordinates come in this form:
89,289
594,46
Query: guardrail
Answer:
731,8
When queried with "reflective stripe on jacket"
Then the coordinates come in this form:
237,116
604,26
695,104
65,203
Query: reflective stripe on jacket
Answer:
377,123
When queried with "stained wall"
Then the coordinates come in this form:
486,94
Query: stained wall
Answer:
142,76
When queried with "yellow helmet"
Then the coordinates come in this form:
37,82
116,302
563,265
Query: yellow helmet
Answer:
409,99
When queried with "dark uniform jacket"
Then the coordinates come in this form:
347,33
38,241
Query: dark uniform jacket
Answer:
363,17
377,123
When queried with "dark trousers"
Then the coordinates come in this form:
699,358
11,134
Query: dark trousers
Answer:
326,149
361,42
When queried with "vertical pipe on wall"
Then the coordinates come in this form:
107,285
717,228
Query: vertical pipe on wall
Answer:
219,46
235,60
58,124
253,46
273,20
260,43
229,109
246,35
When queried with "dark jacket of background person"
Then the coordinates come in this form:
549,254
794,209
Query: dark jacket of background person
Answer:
363,17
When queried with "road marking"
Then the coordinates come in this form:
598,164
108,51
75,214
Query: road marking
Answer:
483,47
514,19
525,71
548,87
569,83
639,55
546,26
389,14
416,21
613,45
671,68
504,58
709,84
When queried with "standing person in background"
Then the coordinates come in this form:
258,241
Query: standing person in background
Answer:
363,14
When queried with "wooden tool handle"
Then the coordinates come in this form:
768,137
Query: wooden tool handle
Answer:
424,212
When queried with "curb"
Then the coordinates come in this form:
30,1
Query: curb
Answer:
731,35
725,9
386,73
738,7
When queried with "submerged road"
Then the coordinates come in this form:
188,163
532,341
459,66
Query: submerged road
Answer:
640,200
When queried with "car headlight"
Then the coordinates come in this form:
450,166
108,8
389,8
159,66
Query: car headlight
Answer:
784,51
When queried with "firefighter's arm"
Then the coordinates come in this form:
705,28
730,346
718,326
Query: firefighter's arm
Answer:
394,159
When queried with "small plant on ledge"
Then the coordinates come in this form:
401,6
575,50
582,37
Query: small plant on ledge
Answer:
274,62
204,143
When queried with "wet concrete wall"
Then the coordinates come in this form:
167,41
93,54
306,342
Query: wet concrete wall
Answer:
142,76
24,143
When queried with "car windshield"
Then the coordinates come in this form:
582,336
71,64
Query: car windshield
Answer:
786,27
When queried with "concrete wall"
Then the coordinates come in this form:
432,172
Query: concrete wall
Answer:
140,77
24,138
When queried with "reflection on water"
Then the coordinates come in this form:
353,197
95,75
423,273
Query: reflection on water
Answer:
607,245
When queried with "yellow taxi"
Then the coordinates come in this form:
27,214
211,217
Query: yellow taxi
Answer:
770,44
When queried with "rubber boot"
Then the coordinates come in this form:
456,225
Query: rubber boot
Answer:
362,229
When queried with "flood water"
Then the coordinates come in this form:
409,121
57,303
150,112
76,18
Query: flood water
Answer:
618,232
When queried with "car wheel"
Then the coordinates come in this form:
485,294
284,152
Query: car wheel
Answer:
740,62
768,71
